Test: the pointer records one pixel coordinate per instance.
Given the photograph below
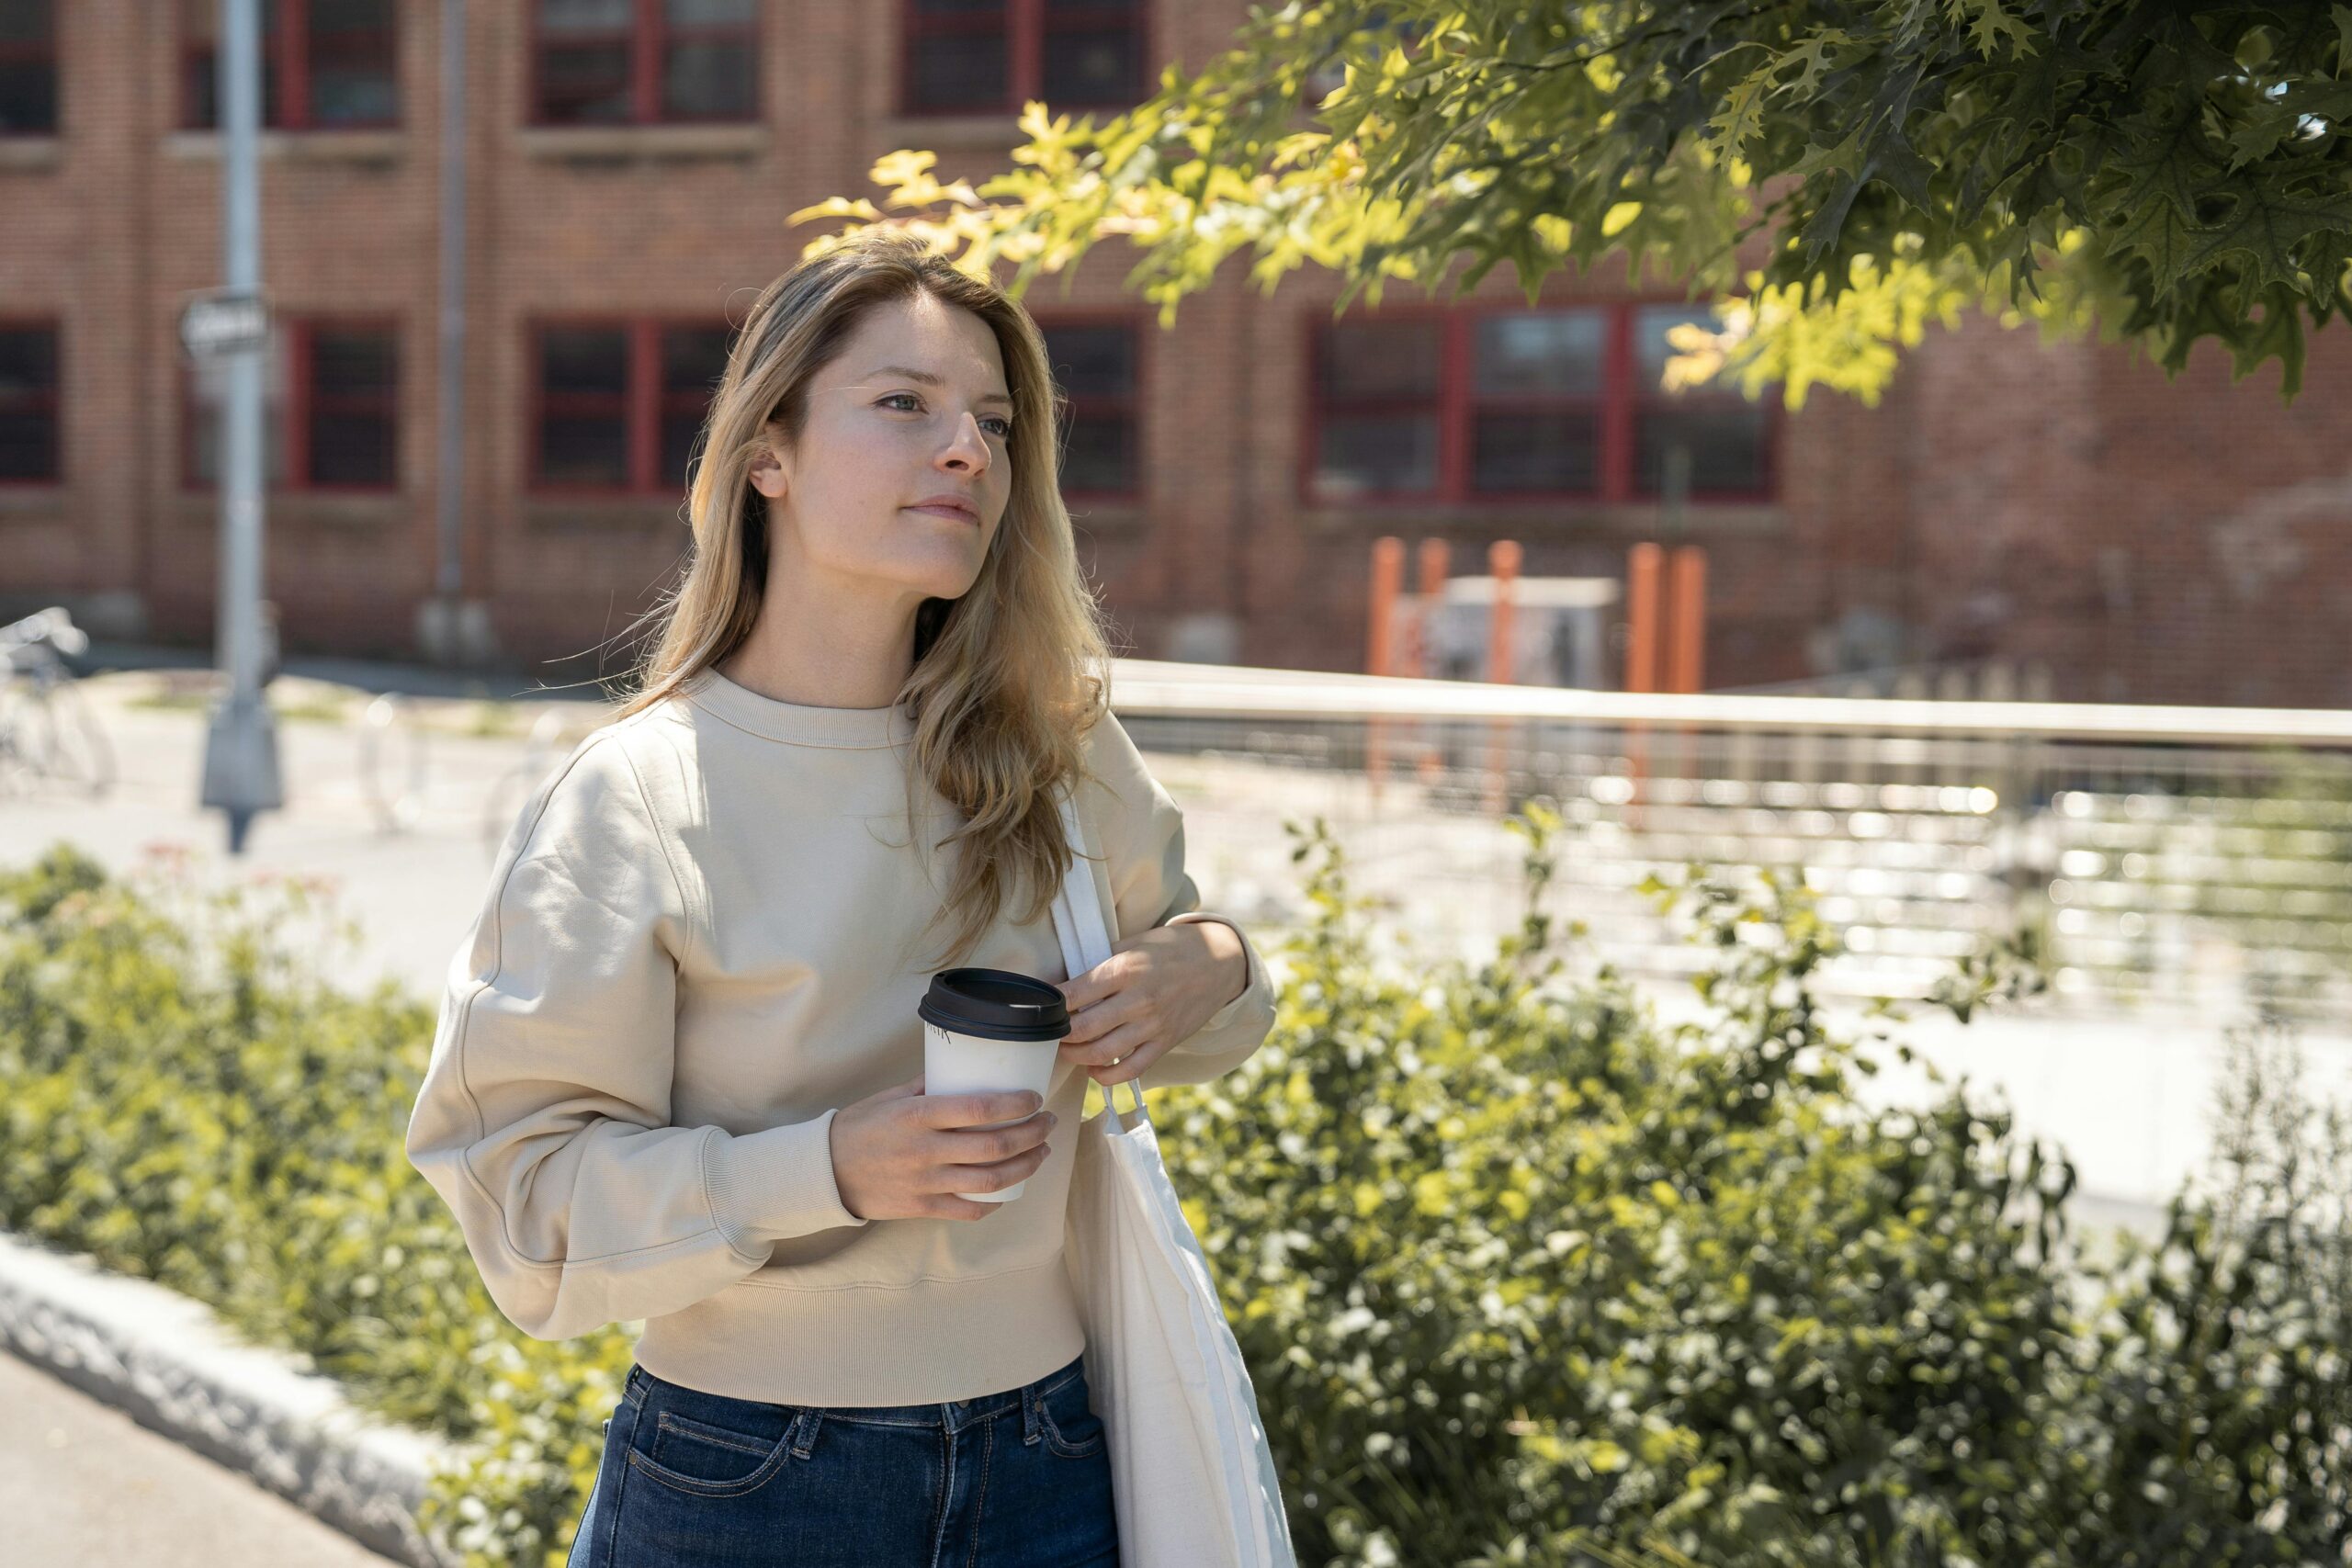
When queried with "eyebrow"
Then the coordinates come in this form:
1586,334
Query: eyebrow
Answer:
928,379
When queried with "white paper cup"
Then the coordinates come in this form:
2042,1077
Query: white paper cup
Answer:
955,1063
986,1030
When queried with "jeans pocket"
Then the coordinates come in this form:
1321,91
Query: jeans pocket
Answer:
704,1458
1071,1427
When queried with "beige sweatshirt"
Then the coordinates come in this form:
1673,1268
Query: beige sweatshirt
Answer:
686,962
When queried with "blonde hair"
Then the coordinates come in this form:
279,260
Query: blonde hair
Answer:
1009,678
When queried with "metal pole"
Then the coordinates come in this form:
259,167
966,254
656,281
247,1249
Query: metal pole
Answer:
449,581
240,749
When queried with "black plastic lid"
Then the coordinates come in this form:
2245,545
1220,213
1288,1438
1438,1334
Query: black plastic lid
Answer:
996,1004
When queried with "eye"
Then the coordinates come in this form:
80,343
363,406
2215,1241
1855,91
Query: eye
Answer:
1004,433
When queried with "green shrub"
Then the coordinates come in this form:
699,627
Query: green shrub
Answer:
1523,1274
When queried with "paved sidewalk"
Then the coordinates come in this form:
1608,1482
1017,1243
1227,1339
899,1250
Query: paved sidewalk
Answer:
82,1485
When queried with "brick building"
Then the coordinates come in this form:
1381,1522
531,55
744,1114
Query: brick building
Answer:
628,165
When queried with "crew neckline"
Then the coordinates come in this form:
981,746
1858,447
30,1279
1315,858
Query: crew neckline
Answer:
800,723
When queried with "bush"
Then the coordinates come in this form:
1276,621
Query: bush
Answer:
1523,1274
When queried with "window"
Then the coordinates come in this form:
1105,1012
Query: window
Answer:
330,408
1095,363
992,56
621,404
646,62
28,444
1723,435
27,68
1496,404
326,64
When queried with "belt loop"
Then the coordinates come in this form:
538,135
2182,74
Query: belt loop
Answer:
1030,1400
803,1430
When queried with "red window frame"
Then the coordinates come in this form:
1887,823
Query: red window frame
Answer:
643,403
288,52
293,414
1129,407
44,51
646,35
1456,403
49,400
1024,25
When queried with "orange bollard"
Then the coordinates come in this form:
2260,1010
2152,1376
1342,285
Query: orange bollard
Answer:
1687,645
1641,573
1502,560
1434,555
1685,640
1388,573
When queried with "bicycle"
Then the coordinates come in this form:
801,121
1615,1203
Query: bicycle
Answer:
48,728
511,787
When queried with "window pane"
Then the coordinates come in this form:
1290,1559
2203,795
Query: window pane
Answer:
584,84
1383,452
27,21
693,358
28,359
958,71
347,361
679,432
1651,350
28,95
1557,351
352,67
711,13
28,411
1727,446
1383,359
1536,452
27,443
712,79
584,359
584,449
1097,67
1093,361
1099,453
351,447
557,16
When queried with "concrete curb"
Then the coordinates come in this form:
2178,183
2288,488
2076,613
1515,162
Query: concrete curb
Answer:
168,1362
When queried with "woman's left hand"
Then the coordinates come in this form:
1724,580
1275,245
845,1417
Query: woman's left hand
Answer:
1156,988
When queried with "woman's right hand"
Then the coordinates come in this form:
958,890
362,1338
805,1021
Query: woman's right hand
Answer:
904,1155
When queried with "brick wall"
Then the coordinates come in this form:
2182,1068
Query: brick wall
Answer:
2151,541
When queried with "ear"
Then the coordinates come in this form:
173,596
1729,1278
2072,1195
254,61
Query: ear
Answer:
767,474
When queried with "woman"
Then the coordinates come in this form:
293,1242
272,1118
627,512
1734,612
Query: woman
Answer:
678,1073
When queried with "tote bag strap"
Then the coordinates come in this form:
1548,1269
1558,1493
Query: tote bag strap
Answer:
1085,936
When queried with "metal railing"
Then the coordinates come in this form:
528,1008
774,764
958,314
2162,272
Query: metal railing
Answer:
2168,856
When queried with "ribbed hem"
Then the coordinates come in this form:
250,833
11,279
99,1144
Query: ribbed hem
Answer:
770,1186
851,1346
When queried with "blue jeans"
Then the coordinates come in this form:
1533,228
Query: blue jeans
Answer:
690,1478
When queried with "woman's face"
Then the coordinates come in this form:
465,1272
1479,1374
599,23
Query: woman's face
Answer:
915,407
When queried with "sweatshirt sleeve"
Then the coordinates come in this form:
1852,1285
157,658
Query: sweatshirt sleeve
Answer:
1142,831
543,1117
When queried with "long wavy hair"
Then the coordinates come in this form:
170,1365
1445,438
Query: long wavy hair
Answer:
1009,678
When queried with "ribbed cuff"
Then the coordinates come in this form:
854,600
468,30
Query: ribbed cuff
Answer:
770,1186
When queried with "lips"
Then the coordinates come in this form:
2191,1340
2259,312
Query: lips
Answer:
946,506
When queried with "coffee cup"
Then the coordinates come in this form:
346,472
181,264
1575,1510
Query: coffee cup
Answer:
988,1030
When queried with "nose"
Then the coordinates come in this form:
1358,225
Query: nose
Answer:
969,451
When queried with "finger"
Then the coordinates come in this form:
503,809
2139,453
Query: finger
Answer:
1131,1065
997,1105
1118,1043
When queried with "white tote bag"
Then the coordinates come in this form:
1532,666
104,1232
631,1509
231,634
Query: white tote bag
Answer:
1191,1474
